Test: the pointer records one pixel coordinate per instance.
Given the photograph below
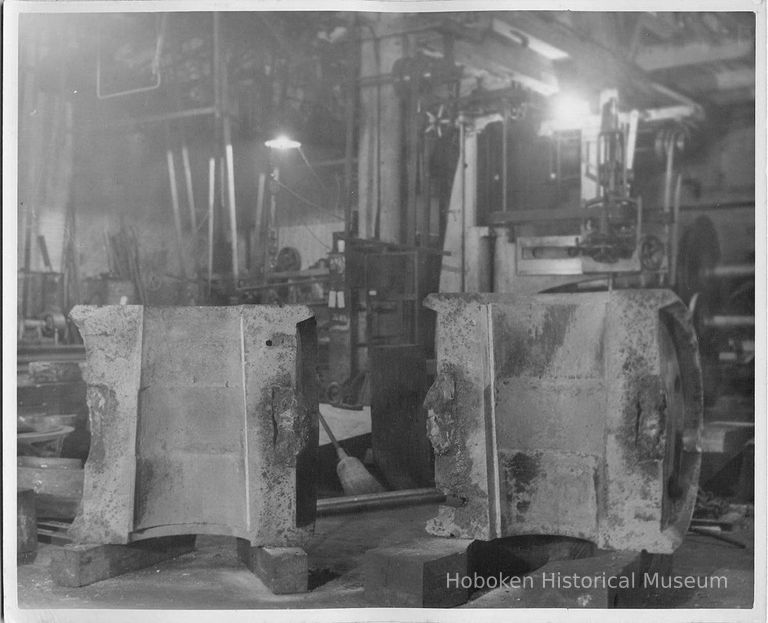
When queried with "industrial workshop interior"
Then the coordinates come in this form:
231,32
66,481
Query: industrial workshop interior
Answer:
324,309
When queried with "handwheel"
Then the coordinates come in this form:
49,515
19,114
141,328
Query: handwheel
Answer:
334,394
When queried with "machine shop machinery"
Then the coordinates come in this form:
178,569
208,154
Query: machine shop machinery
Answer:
605,233
568,395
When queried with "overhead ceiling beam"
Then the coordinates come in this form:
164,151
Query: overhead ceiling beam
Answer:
519,63
669,56
525,38
735,96
599,66
723,80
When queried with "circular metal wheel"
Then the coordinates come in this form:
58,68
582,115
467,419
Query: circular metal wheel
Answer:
54,322
652,253
288,259
334,394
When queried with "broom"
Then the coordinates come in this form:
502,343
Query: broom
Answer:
354,478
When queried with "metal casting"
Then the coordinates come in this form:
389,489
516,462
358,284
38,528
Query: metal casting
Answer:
576,415
203,420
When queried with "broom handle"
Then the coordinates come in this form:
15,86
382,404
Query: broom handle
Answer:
328,432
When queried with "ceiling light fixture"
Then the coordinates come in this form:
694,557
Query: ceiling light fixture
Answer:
282,142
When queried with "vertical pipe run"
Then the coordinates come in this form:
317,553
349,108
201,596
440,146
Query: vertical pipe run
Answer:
668,173
221,185
175,206
377,223
411,172
504,158
190,190
259,218
462,164
271,227
223,108
211,202
675,232
349,145
231,197
217,65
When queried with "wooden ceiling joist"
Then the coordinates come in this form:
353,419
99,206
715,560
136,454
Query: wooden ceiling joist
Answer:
667,56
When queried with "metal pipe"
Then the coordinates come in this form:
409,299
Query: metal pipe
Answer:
716,535
231,197
259,217
270,231
222,106
669,161
377,218
190,190
463,172
216,70
378,501
349,137
729,322
180,114
674,242
729,270
504,157
211,203
175,206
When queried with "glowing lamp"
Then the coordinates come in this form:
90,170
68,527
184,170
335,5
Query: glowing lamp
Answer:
570,109
282,142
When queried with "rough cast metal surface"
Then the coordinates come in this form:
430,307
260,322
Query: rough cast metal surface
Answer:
203,420
576,415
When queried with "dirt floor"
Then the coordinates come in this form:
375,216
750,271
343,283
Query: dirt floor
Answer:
212,577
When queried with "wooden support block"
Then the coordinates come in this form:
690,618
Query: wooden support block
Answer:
284,570
26,527
424,573
58,491
83,564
